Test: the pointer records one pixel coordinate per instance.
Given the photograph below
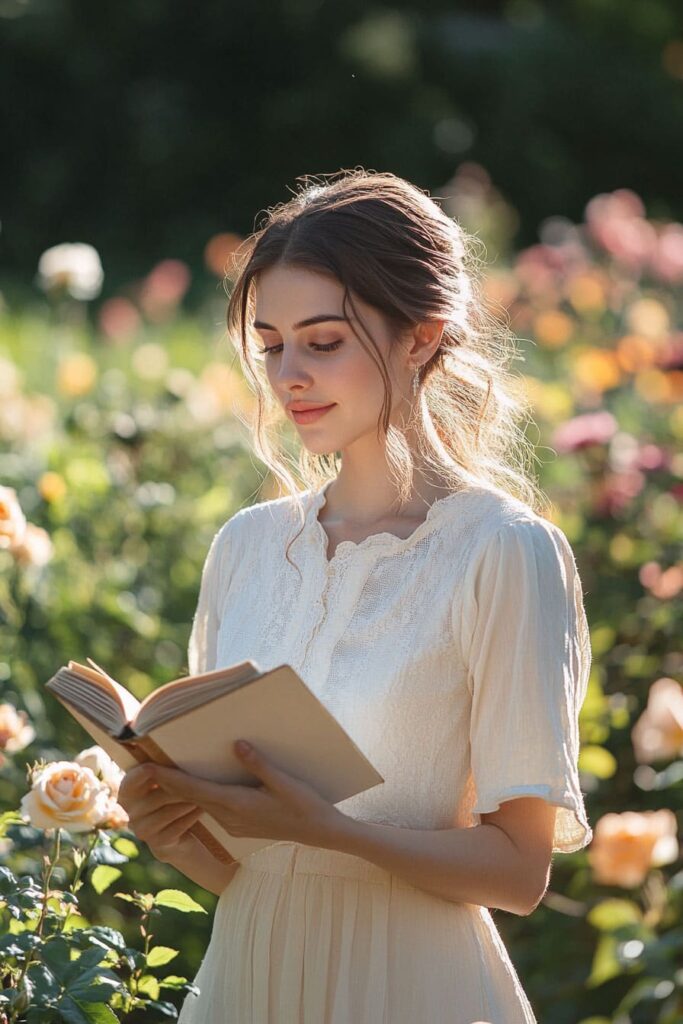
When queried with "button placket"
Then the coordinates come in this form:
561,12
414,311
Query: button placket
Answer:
324,601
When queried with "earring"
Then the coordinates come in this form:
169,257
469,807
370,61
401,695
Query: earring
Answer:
416,381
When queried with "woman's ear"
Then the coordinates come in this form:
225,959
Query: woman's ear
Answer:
426,338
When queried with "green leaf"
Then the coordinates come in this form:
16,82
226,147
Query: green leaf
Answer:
98,1013
160,955
104,854
8,881
103,876
108,936
76,1012
8,818
126,847
56,954
611,914
172,981
597,761
177,900
605,962
164,1009
45,985
149,985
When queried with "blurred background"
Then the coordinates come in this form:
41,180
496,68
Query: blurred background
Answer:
142,143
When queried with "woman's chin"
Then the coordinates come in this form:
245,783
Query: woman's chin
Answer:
318,449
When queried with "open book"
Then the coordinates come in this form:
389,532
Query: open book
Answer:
192,723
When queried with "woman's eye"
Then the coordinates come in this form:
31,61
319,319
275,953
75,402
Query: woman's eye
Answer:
320,348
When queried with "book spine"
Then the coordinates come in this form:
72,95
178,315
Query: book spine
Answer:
145,749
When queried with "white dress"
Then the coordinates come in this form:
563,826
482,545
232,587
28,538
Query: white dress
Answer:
457,659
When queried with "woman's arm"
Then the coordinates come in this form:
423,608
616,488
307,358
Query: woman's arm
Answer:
194,861
488,864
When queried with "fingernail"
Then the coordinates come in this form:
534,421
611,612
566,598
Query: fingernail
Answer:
243,747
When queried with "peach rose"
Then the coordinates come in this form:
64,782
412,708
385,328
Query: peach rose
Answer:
66,795
35,548
12,519
658,733
116,816
16,732
101,764
626,846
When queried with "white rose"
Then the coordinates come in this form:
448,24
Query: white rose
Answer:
66,795
74,266
101,764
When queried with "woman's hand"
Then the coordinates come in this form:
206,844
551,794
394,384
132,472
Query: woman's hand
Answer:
281,808
160,820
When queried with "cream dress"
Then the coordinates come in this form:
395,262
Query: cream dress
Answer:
457,659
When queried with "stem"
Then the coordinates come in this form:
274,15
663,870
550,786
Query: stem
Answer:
47,875
77,877
147,936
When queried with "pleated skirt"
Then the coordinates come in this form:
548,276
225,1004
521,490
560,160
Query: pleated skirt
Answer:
303,935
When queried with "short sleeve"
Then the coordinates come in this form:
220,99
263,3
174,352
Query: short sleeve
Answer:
527,648
201,651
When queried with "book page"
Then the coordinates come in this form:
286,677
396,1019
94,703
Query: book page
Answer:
174,700
126,701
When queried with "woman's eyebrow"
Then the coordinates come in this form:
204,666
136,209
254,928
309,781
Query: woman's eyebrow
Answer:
318,319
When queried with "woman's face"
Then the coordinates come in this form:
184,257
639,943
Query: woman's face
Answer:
302,367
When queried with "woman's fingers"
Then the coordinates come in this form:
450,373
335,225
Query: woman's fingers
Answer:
151,824
146,803
177,829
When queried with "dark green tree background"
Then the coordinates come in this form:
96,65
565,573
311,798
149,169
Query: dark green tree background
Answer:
144,128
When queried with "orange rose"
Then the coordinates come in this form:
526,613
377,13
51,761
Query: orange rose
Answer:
626,846
658,733
12,519
66,795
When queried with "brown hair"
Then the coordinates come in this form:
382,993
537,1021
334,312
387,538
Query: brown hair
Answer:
391,244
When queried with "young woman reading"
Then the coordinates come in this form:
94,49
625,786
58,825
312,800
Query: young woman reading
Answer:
417,588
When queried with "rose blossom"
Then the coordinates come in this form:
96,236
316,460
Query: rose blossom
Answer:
16,732
12,519
72,266
658,733
101,764
116,816
626,846
66,795
35,548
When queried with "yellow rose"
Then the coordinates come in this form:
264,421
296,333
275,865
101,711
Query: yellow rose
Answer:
12,519
66,795
626,846
101,764
16,732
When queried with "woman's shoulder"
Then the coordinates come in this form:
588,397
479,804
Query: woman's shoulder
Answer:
274,514
492,512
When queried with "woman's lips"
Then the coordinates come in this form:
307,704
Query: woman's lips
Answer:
310,415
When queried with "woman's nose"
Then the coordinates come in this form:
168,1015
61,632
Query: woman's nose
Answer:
292,374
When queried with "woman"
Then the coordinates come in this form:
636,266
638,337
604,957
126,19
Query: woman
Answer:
422,596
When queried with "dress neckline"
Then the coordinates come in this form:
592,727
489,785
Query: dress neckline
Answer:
384,540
